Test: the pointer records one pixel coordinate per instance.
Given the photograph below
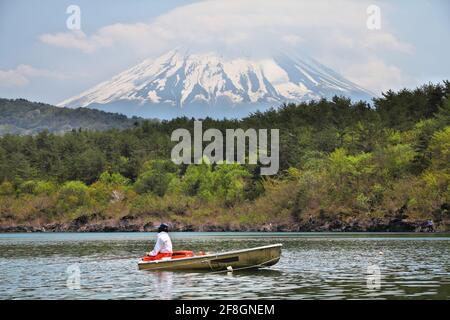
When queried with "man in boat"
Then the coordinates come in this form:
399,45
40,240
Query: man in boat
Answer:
163,246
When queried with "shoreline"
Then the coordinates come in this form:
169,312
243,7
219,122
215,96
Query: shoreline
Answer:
381,225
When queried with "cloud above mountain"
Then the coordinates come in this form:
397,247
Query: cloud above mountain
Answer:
22,74
333,32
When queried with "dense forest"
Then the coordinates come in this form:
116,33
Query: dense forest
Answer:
20,116
344,166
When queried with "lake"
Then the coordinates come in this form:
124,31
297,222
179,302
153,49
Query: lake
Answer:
312,266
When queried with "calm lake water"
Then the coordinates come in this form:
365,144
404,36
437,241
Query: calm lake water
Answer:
312,266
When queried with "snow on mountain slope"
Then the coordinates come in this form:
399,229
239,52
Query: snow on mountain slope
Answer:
184,81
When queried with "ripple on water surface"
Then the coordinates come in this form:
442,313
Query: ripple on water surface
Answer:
313,266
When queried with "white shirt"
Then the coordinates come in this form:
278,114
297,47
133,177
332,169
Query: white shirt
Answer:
163,244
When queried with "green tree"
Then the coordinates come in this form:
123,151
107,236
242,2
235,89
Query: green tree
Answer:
156,177
229,182
114,179
440,150
44,187
6,188
87,166
73,194
198,180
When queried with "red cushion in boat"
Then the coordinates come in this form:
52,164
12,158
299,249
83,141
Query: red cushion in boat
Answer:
182,254
159,256
174,255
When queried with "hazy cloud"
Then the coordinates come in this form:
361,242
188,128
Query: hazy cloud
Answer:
22,74
370,73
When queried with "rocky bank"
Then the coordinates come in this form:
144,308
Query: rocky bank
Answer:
82,224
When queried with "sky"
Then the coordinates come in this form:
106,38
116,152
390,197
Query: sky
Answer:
41,59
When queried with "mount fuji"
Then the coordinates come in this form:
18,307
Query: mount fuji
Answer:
181,83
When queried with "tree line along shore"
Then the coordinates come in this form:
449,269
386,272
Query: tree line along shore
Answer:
344,166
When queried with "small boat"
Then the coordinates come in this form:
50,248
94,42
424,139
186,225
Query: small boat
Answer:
253,258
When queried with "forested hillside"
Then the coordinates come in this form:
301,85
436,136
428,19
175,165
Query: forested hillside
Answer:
24,117
343,166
